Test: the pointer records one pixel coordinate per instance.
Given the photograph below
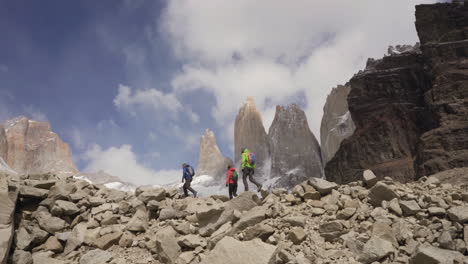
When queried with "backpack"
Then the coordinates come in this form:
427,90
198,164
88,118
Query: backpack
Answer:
235,176
252,159
191,171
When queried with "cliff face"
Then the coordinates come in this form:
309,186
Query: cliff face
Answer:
410,108
211,161
295,152
443,31
336,122
31,147
250,133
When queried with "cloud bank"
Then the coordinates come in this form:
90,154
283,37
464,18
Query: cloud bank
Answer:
279,51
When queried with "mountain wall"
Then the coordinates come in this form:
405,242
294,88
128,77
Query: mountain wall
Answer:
211,160
410,108
295,152
336,122
250,133
30,147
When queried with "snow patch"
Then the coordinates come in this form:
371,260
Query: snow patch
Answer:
5,168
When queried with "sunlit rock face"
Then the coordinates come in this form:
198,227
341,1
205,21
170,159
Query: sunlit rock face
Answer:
337,123
30,147
295,152
250,133
211,160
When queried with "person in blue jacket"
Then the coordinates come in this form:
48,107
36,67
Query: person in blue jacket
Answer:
187,176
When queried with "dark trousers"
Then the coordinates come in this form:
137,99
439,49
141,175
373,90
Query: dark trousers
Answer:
232,190
188,188
248,173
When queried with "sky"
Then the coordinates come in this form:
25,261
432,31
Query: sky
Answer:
131,85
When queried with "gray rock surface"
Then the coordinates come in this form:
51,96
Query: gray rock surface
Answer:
294,150
250,133
337,123
211,161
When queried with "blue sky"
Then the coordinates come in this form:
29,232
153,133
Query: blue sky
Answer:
132,85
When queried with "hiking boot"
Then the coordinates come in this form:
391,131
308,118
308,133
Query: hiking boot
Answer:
259,188
195,195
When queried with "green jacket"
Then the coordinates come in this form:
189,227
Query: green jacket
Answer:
245,160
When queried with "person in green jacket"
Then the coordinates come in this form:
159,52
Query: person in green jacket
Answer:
248,170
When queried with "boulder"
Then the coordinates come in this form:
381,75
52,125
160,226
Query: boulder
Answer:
21,257
251,218
324,187
458,214
153,194
139,221
96,256
376,249
381,192
410,207
50,223
106,241
369,178
52,244
261,231
191,241
32,192
232,251
429,254
66,208
297,235
166,245
76,237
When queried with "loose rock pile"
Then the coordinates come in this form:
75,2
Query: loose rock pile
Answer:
72,221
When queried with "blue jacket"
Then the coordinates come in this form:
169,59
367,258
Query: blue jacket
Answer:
186,174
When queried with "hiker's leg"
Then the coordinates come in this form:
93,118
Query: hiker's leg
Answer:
234,189
185,188
189,187
245,174
231,190
251,178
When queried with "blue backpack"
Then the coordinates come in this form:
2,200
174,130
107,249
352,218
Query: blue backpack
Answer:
252,159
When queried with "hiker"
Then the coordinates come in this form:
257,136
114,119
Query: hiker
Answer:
231,181
187,176
248,169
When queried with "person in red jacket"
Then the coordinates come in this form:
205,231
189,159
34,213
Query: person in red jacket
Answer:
231,181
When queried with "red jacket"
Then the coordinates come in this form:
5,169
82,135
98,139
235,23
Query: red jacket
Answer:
229,176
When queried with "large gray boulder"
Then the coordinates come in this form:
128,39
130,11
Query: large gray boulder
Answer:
96,256
211,162
434,255
7,209
166,245
232,251
294,150
381,192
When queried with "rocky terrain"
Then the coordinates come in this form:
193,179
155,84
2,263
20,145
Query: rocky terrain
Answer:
337,123
410,108
211,161
31,147
295,153
368,221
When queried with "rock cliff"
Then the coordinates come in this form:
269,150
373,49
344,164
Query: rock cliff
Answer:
250,133
211,160
337,123
295,152
443,31
31,147
410,108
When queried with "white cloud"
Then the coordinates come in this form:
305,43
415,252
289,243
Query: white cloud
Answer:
274,49
161,104
77,138
123,163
